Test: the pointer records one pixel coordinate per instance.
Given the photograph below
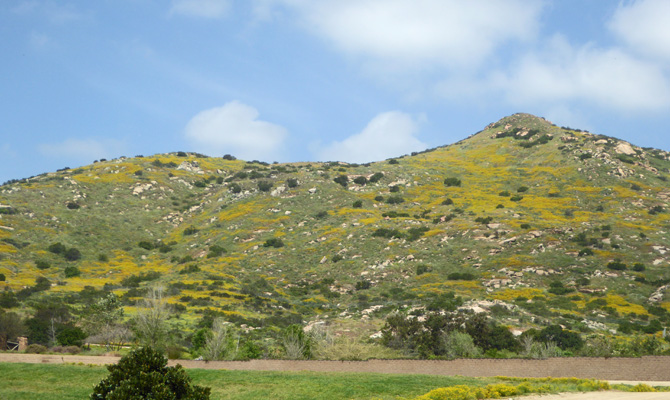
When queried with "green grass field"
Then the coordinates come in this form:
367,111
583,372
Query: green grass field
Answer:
36,381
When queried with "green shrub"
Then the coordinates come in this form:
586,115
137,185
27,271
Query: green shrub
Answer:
229,157
616,265
585,252
504,193
72,205
638,267
388,233
363,285
146,245
273,242
336,258
525,226
2,277
422,269
379,198
42,264
357,204
516,197
321,215
376,177
71,336
72,254
200,184
361,180
71,272
292,182
103,258
191,230
393,161
395,200
215,251
343,180
447,202
452,181
522,189
264,186
36,349
235,188
144,374
57,248
394,189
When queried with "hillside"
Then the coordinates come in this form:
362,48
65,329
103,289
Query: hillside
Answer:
535,223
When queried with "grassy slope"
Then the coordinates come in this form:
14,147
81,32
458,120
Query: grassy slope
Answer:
607,197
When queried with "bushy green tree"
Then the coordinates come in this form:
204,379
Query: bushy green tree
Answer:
144,374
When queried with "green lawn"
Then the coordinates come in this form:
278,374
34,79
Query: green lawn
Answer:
37,381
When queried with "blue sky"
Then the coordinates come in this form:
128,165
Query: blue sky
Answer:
308,80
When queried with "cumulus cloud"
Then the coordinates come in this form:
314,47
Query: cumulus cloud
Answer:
643,25
389,134
610,78
200,8
235,128
85,150
413,33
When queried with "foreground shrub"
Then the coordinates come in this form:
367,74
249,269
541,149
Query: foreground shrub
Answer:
144,374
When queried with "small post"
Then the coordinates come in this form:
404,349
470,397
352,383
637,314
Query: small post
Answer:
23,343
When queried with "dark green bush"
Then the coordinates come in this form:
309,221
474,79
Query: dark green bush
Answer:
42,264
447,202
524,226
264,186
357,204
361,180
638,267
395,200
273,242
504,193
235,188
376,177
585,252
229,157
452,181
343,180
292,182
388,233
394,189
363,285
522,189
616,265
72,254
191,230
71,336
422,269
71,272
215,251
393,161
36,349
379,198
200,184
144,374
336,258
516,197
2,277
321,215
72,205
57,248
146,245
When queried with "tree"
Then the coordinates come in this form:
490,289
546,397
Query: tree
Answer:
150,323
11,327
102,321
144,374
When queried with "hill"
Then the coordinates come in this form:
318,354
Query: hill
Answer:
534,223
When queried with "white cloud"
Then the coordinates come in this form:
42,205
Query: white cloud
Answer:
609,78
85,150
644,26
389,134
234,128
200,8
419,33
